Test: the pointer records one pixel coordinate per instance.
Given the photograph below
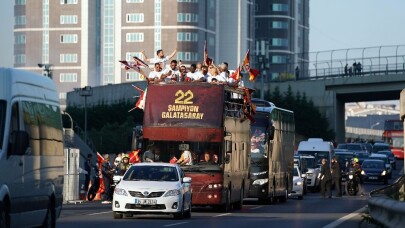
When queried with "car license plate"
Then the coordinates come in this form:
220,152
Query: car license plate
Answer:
145,201
373,178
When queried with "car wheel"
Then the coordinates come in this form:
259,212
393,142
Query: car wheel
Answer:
117,215
4,217
180,215
187,214
50,218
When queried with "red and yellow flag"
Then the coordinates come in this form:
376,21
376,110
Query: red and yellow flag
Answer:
246,66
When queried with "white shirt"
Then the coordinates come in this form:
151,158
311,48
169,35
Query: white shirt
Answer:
191,75
162,61
188,158
174,76
154,74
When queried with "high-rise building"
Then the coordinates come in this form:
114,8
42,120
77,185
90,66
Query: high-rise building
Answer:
80,42
281,37
60,37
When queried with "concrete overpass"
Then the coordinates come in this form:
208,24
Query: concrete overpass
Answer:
330,94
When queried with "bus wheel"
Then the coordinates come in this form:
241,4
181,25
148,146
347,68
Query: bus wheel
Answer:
238,205
227,205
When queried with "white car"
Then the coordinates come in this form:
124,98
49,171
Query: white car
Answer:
153,188
298,185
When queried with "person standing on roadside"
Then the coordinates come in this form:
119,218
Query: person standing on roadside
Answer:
326,179
336,177
87,166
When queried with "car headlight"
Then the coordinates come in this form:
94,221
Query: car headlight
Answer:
261,181
350,176
298,183
383,173
173,192
120,191
363,173
210,186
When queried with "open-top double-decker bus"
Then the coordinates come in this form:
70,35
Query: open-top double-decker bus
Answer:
208,122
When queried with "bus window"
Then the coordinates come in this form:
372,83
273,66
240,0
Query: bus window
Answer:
2,121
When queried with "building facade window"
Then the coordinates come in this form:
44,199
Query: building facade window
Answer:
134,1
187,36
279,7
134,37
66,2
187,17
19,39
279,25
211,23
130,55
211,41
135,17
187,56
68,38
68,19
20,2
279,42
20,20
19,59
68,58
134,76
278,59
68,77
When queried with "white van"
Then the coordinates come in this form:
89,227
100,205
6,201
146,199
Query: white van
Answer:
317,149
31,150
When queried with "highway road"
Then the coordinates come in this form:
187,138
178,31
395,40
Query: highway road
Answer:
312,211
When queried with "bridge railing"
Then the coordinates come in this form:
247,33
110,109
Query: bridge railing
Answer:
387,204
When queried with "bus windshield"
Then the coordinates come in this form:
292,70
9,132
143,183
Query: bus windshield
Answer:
191,156
2,120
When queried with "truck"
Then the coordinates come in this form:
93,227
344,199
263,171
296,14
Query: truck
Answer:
208,121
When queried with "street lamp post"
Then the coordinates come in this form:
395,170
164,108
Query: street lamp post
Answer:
47,71
85,92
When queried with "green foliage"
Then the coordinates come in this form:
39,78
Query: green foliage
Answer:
309,122
109,127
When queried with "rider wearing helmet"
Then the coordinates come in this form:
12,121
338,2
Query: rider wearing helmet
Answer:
124,166
357,172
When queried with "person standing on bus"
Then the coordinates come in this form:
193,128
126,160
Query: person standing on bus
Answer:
326,179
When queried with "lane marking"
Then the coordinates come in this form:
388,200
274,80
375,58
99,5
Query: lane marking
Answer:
345,218
175,224
100,213
254,208
222,215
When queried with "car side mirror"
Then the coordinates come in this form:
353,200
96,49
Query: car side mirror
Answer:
186,179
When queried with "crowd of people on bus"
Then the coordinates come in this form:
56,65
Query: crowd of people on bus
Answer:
176,72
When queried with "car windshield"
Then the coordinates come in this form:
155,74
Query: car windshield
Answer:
317,154
151,173
384,159
372,165
362,155
389,154
380,147
2,120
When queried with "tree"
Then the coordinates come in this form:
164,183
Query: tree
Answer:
309,122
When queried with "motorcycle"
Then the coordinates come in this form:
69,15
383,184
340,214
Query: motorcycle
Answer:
352,184
91,194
